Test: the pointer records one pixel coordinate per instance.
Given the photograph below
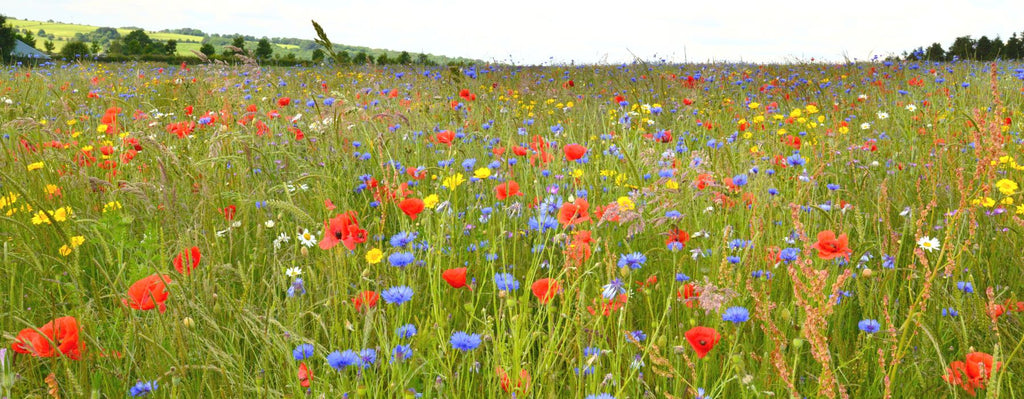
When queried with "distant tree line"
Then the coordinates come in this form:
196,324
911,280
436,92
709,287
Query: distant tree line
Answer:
967,48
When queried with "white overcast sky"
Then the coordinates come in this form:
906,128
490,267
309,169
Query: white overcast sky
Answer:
543,31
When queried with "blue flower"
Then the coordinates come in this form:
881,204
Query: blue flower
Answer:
637,335
143,388
736,314
465,342
397,295
340,360
506,282
401,352
600,396
965,286
367,357
303,351
612,289
402,239
406,331
789,254
634,260
869,326
740,180
401,259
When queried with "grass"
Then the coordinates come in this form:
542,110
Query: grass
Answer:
748,160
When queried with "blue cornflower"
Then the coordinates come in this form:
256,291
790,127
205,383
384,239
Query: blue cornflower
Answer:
869,326
950,312
634,260
733,259
888,262
673,214
367,357
795,160
401,352
680,277
637,335
401,259
506,282
600,396
397,295
591,351
736,314
143,388
965,286
340,360
402,239
297,288
789,254
303,351
612,289
740,180
832,186
465,342
406,331
542,223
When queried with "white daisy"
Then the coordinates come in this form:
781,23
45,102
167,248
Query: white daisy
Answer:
306,238
269,224
293,272
911,107
928,244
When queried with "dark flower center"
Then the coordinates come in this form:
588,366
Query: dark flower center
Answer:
337,234
702,342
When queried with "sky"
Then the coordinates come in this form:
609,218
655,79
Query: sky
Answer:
583,32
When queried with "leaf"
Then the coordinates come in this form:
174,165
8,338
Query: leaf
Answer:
51,381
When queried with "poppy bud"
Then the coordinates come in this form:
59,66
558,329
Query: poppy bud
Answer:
188,322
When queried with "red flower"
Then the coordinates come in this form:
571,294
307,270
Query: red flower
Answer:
329,205
455,277
523,385
343,228
677,236
148,293
607,307
507,189
830,247
229,212
689,291
973,373
365,298
283,101
792,141
702,339
574,152
305,375
574,212
445,137
411,207
61,331
187,260
545,289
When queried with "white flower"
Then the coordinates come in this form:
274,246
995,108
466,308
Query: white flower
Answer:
865,126
306,238
697,252
236,223
911,107
293,272
882,115
928,244
269,224
906,212
700,233
862,97
283,238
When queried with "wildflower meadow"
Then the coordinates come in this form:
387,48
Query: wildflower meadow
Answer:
644,230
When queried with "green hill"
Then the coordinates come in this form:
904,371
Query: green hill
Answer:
189,40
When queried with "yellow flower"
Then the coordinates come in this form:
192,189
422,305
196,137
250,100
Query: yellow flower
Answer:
754,105
62,214
52,189
374,256
430,202
671,185
66,249
1007,186
35,165
577,173
811,109
1007,201
101,128
1020,209
626,204
40,218
8,200
453,181
111,206
482,173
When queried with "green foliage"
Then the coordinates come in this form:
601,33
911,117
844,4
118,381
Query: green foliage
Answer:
7,38
75,49
263,49
207,49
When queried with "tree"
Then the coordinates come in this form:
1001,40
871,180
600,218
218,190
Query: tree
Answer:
116,47
239,42
962,48
998,48
137,42
7,35
404,58
318,55
207,49
94,47
360,58
344,57
48,46
75,49
171,47
27,38
382,59
983,50
1012,48
935,53
422,59
263,49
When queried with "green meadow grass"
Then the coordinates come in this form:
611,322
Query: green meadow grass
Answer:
230,327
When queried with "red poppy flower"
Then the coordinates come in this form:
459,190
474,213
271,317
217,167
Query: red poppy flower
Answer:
792,141
148,293
366,299
609,306
62,331
507,189
519,151
523,385
187,260
574,152
343,228
229,212
574,212
329,204
455,277
305,375
677,236
283,101
689,291
972,373
830,247
411,207
703,180
545,289
702,339
445,137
